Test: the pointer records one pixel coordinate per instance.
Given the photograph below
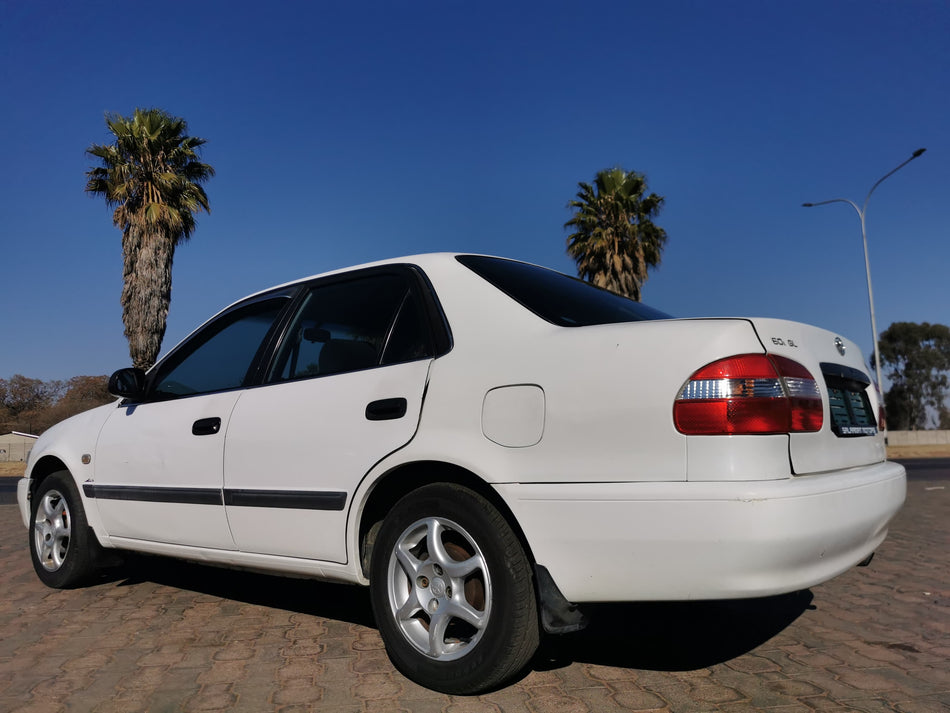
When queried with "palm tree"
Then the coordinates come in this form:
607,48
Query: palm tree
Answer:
152,176
616,242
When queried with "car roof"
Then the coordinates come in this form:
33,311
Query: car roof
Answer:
426,261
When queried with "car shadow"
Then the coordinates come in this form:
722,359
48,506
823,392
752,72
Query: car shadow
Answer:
658,636
327,600
673,636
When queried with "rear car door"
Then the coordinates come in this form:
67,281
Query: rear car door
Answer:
344,390
159,462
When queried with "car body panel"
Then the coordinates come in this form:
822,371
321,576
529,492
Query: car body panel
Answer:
67,442
811,346
618,375
252,561
721,458
154,479
312,437
679,541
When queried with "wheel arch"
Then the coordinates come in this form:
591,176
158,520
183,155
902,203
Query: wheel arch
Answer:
45,467
405,478
49,464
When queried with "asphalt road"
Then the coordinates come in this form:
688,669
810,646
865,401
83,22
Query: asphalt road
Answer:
929,468
7,490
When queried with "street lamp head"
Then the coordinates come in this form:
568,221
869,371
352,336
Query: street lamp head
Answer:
867,264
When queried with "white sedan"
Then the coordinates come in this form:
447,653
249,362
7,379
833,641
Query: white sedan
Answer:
488,445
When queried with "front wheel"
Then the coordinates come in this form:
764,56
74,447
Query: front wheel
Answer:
62,546
452,591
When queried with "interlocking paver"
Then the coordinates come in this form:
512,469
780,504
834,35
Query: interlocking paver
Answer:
170,637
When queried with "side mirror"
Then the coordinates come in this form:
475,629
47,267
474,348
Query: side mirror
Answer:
127,383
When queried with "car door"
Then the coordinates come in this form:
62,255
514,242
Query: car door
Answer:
344,390
159,462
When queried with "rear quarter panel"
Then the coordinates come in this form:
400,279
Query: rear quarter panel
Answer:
608,389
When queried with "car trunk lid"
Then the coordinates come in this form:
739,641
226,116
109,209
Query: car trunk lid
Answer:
849,436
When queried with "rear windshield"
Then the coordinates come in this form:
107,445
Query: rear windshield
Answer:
557,298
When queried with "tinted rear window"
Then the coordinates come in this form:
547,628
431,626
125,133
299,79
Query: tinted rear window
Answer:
555,297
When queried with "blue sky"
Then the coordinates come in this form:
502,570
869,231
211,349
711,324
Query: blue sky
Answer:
348,132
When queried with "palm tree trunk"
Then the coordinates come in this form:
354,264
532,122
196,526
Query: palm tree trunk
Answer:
146,292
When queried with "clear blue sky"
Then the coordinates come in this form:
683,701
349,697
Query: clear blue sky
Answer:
348,132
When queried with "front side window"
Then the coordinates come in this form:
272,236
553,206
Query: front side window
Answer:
221,355
352,325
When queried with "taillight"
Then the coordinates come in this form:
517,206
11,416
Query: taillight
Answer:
749,393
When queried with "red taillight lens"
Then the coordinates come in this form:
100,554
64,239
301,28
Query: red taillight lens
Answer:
749,393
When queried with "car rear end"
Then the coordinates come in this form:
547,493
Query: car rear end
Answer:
786,480
836,505
669,459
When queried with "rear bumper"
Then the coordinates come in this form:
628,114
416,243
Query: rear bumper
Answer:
705,540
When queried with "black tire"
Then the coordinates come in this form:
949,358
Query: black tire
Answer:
476,589
62,546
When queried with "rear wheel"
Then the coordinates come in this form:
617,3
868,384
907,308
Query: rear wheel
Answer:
452,591
62,546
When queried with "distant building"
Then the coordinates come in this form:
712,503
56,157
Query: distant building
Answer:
16,446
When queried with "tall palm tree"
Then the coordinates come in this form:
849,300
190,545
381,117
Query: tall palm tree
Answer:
616,241
151,175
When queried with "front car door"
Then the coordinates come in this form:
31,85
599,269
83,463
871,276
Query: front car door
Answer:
344,390
159,462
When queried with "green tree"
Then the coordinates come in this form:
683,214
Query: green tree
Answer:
151,175
615,240
917,360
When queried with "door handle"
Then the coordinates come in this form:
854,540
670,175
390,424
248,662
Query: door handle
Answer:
386,409
206,426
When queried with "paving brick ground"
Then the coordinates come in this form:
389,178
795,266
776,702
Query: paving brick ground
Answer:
169,637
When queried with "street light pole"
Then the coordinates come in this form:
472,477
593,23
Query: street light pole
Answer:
867,263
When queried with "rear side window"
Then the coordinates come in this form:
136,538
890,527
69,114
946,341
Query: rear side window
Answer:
557,298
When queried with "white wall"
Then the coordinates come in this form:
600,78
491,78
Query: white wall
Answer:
918,438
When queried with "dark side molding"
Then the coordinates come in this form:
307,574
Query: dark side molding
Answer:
293,499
